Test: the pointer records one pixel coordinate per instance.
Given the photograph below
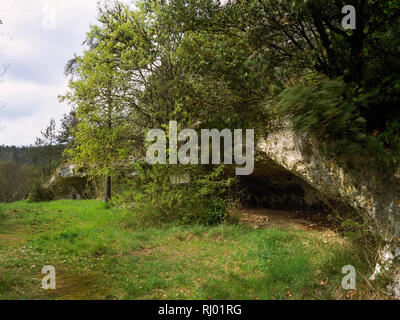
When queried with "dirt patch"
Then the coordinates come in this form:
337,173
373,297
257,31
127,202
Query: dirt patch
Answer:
265,218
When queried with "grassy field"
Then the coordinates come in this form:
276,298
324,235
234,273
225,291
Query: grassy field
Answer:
98,255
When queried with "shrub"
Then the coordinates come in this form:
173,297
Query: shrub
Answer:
151,198
332,111
40,193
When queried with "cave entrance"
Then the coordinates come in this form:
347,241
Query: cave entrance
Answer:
272,192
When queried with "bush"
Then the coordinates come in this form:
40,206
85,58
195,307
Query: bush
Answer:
324,108
332,111
151,198
40,193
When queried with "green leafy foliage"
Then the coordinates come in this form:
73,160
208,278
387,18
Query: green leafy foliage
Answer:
163,194
327,109
288,41
241,65
323,108
39,193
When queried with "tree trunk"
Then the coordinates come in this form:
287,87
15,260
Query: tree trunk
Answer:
107,189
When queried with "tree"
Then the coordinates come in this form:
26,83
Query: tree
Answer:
69,123
309,32
49,136
96,91
303,43
47,147
238,65
125,83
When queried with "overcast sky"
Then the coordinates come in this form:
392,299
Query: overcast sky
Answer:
37,38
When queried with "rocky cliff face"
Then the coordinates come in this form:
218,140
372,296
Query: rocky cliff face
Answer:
69,183
362,190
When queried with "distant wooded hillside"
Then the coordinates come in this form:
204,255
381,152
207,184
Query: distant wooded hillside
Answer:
31,155
21,167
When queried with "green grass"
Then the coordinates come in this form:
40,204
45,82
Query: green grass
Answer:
97,255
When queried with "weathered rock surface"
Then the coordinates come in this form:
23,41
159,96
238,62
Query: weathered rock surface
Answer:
362,190
69,182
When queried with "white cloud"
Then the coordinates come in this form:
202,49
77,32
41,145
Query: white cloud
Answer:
22,131
38,56
28,109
